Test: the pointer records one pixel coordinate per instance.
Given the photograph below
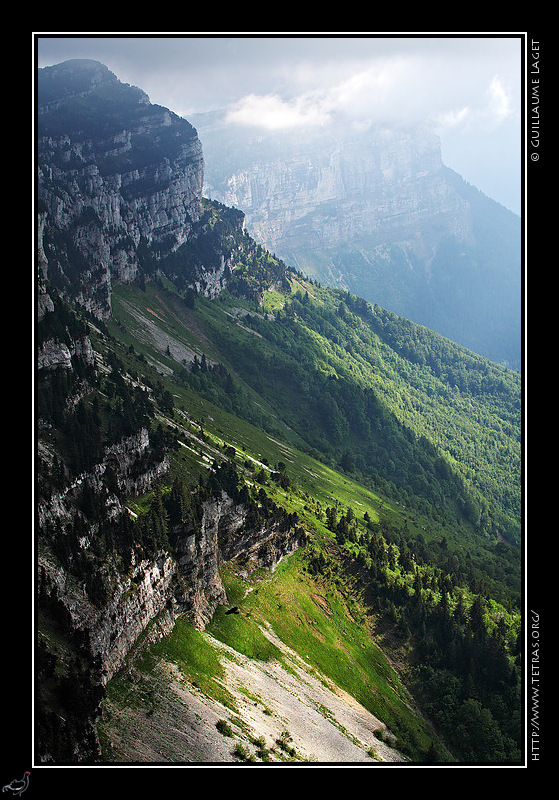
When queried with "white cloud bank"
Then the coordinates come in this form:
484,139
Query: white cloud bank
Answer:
398,90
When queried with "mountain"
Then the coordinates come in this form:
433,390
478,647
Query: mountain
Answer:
120,198
375,211
251,488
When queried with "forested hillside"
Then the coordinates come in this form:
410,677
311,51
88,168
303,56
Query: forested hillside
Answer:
375,393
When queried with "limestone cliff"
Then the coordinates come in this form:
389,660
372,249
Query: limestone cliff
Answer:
375,211
119,197
330,190
119,181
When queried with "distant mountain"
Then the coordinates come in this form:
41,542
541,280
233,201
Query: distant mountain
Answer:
245,479
376,212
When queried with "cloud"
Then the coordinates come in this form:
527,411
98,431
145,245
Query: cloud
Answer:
379,91
451,119
494,108
398,88
500,99
289,81
271,112
372,91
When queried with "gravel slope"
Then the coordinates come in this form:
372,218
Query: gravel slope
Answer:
175,723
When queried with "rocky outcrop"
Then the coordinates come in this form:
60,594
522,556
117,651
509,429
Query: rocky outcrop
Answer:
134,601
54,353
119,181
200,556
225,536
134,472
263,547
143,603
125,457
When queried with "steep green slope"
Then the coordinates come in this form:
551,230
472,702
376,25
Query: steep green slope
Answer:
281,417
438,594
384,399
437,561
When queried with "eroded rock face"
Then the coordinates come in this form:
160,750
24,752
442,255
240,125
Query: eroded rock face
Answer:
141,604
224,536
53,353
134,601
199,559
155,591
119,181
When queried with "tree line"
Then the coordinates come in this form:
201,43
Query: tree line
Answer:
465,652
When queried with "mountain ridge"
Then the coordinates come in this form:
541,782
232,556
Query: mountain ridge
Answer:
198,453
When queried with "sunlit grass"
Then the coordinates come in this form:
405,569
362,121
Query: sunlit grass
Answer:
326,626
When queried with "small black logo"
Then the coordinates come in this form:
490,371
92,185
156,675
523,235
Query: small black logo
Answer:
17,787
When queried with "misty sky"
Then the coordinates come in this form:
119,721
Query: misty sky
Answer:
466,87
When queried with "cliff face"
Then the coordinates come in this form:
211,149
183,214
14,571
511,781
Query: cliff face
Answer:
143,604
119,181
327,191
376,212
